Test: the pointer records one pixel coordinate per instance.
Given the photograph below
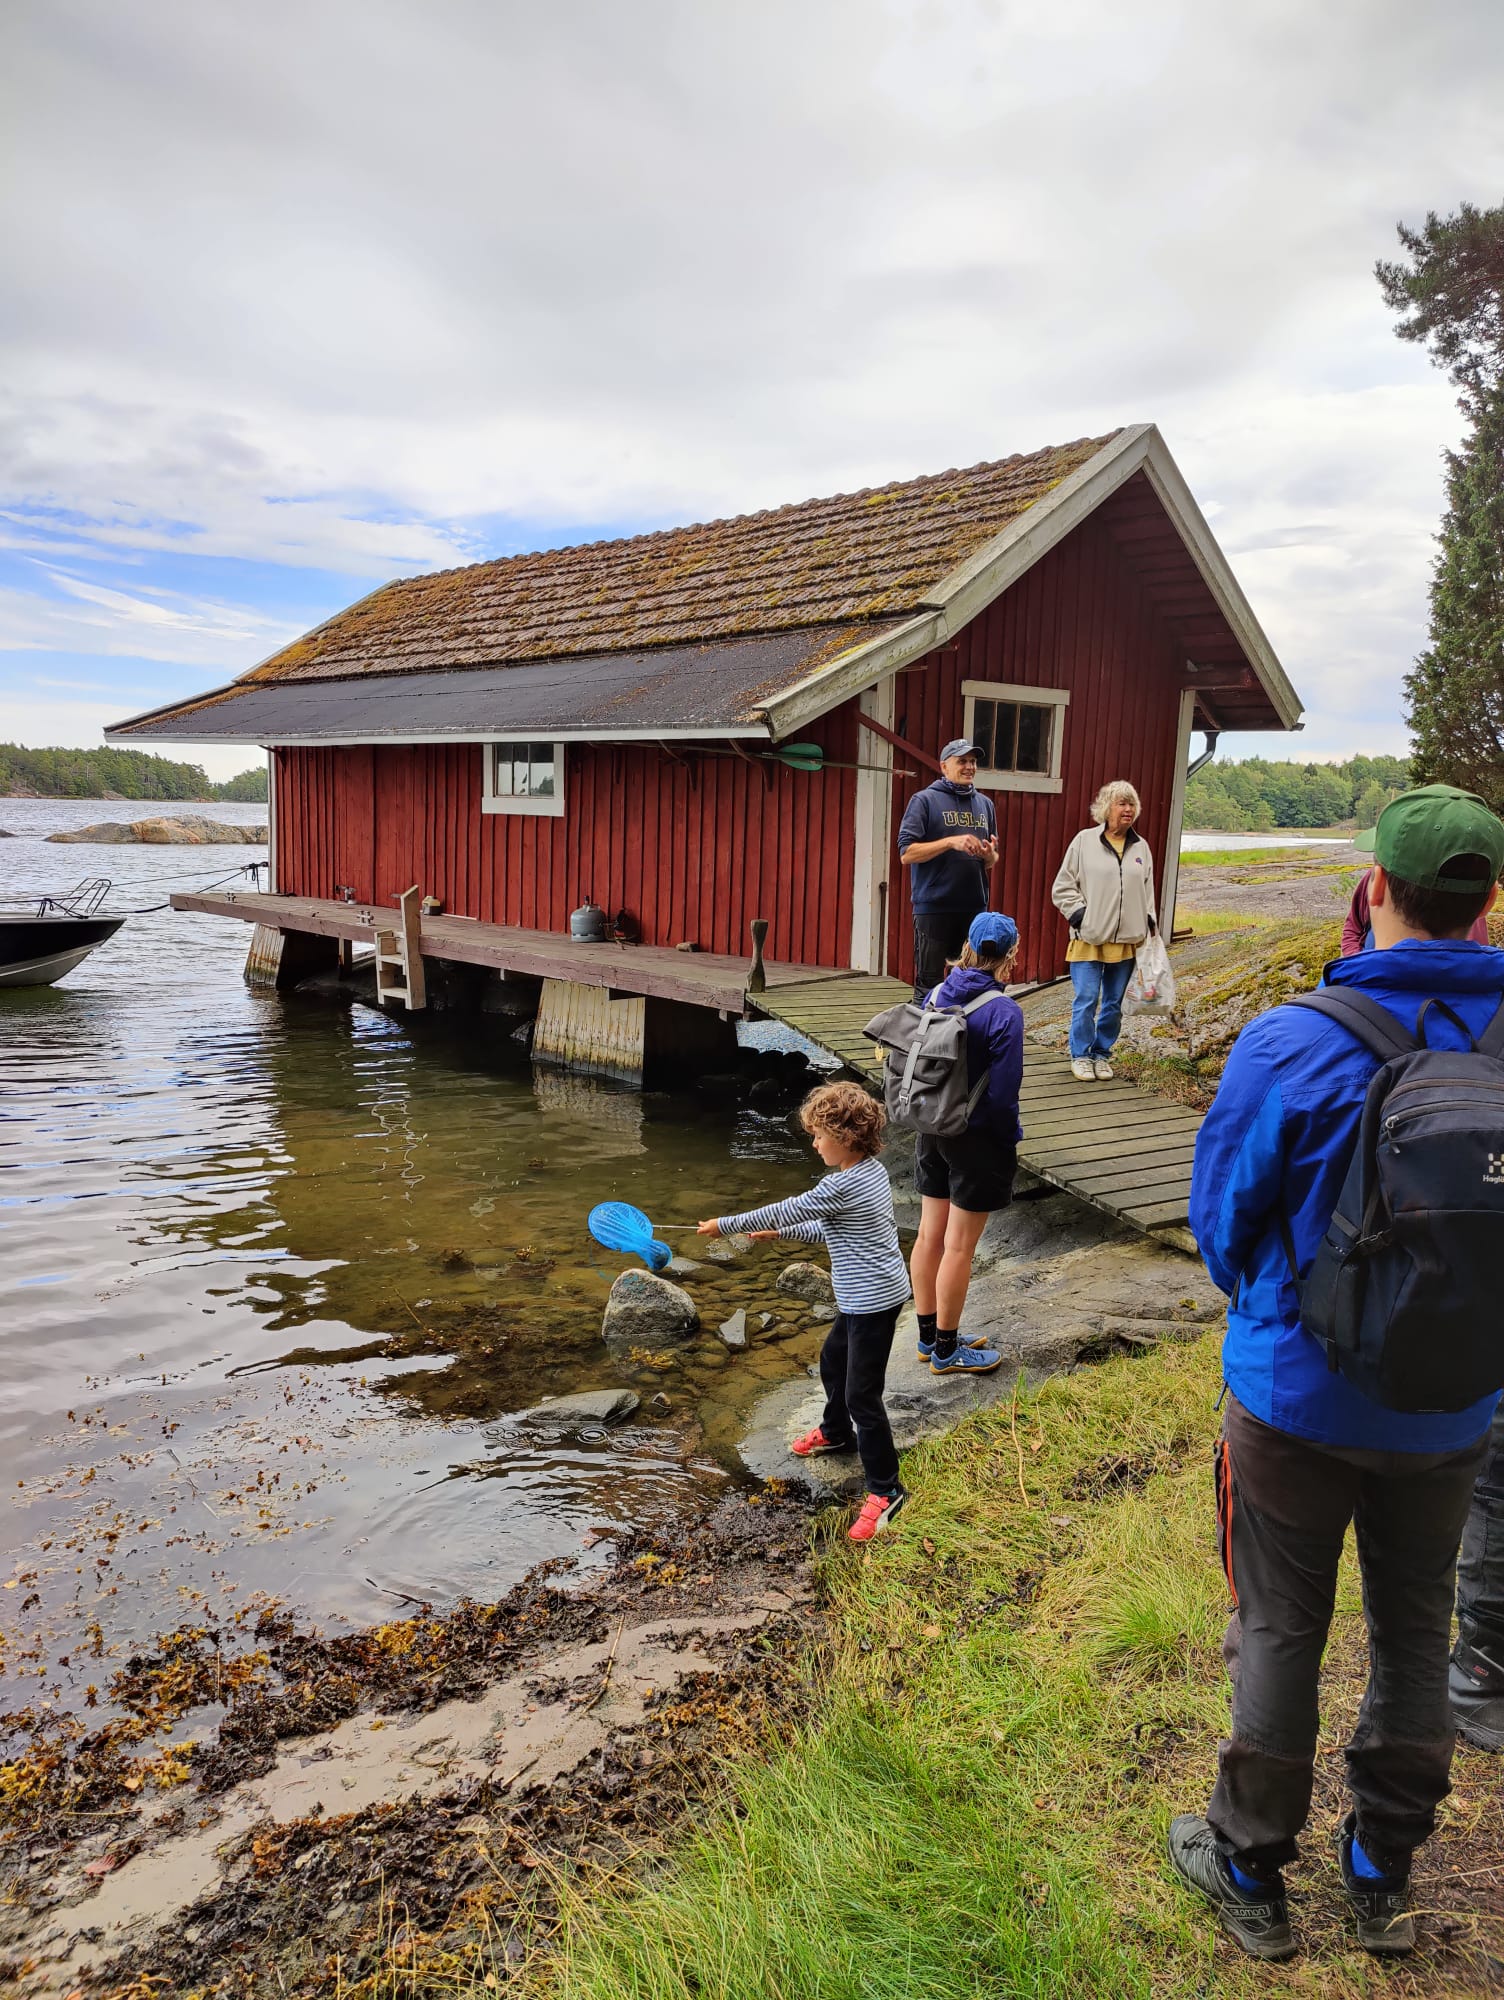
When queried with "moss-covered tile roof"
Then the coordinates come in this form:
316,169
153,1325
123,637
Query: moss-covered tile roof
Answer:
842,561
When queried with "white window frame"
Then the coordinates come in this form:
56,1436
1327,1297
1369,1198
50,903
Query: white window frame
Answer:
1032,697
492,801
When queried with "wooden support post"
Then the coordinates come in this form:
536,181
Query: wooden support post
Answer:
278,959
757,978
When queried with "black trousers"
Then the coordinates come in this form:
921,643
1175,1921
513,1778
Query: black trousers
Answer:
853,1363
1283,1507
938,937
1480,1573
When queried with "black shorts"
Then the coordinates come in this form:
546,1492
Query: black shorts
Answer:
974,1170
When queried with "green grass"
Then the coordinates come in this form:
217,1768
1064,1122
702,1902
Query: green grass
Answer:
977,1811
1024,1684
1240,857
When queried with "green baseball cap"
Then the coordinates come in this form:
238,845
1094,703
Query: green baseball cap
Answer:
1420,832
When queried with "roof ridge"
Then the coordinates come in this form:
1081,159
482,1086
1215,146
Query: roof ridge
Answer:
723,521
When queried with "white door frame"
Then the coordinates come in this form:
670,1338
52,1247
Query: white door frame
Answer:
872,827
1170,875
271,822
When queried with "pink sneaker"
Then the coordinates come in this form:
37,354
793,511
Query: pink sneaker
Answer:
879,1510
814,1442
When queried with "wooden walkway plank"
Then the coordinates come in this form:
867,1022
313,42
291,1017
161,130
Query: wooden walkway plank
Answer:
1108,1143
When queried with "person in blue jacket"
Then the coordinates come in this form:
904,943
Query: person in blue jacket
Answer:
963,1180
1302,1451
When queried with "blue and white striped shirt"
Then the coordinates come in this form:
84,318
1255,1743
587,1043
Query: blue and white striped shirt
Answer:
851,1212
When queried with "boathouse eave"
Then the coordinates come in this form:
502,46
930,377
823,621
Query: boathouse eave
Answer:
968,589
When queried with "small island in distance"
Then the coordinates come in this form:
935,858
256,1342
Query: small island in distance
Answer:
118,774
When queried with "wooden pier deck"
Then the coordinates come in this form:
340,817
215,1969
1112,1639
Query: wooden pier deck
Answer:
703,978
1110,1144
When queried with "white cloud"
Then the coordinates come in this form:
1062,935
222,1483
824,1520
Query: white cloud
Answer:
343,287
45,721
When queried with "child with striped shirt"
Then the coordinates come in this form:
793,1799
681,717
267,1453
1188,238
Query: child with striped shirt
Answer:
850,1211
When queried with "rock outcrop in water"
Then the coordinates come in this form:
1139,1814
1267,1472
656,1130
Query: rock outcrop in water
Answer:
165,832
647,1311
808,1282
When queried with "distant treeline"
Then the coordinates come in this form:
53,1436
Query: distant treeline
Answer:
117,774
1255,795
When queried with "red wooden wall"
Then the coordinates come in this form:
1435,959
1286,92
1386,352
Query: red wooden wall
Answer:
1080,620
693,846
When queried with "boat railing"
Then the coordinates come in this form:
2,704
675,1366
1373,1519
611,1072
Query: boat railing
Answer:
83,901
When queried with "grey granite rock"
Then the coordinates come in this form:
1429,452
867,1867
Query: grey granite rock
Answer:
808,1282
647,1311
734,1330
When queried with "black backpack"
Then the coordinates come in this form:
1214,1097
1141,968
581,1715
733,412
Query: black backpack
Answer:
1406,1292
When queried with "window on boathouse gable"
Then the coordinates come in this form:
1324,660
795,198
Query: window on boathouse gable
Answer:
1019,733
523,778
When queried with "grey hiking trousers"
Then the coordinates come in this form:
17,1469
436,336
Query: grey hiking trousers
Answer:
1480,1573
1283,1508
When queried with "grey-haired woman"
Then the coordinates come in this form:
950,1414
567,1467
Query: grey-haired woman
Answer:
1105,892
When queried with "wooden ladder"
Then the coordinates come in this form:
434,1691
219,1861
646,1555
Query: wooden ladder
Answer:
399,956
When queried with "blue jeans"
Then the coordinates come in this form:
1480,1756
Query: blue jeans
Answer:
1098,1012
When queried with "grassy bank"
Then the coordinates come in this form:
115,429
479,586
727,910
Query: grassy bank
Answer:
1026,1683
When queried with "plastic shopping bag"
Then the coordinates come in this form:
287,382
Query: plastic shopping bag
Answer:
1151,990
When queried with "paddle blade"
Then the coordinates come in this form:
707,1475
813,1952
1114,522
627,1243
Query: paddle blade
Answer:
616,1225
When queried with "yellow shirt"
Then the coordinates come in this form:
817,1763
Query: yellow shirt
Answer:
1104,954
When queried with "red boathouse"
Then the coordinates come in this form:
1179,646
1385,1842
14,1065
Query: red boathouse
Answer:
608,722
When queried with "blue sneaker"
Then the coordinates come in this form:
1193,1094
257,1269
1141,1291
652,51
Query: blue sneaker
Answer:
966,1361
925,1348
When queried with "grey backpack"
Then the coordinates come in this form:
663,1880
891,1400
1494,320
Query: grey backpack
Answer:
926,1084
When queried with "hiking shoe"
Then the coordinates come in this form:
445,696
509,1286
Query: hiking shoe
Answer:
1101,1069
967,1361
925,1348
814,1442
1381,1904
1084,1069
1260,1923
1476,1685
879,1511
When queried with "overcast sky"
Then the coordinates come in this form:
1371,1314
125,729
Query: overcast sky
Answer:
298,298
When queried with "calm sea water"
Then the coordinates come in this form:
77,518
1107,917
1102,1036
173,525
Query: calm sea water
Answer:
274,1270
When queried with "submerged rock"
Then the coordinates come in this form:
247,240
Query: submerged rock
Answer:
165,832
734,1330
808,1282
644,1311
684,1267
601,1406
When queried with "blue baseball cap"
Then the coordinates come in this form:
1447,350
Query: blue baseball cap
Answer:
992,931
959,746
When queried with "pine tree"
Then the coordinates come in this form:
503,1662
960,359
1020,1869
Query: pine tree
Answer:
1455,691
1453,293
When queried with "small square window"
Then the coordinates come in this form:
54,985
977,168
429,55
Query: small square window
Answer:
524,778
1018,732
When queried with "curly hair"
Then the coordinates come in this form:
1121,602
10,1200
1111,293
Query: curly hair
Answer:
1112,795
854,1116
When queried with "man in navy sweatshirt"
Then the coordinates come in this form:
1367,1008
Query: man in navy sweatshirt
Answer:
1303,1451
948,838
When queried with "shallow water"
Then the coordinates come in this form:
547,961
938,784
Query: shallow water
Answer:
272,1267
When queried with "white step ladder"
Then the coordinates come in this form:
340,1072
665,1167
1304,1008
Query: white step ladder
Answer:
399,956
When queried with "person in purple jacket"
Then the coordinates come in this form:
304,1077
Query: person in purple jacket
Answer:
963,1180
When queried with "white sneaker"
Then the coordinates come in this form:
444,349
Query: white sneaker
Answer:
1084,1069
1101,1069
